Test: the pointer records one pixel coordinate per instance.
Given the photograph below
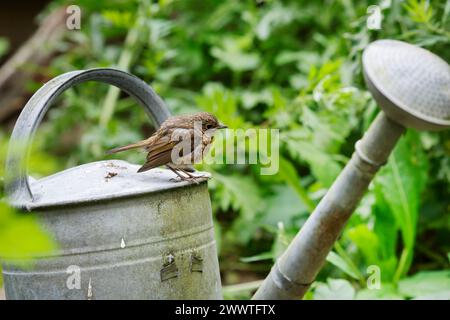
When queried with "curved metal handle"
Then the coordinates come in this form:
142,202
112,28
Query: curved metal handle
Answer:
16,174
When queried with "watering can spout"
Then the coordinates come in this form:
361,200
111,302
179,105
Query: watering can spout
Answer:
411,85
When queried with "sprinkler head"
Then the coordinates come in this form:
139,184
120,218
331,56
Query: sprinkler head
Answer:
410,84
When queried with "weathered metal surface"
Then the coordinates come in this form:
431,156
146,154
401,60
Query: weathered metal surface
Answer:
397,74
123,235
123,248
409,83
101,180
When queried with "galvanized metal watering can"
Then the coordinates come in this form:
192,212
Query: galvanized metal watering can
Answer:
122,235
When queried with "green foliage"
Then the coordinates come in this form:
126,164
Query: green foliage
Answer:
290,65
4,45
21,236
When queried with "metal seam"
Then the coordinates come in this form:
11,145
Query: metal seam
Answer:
101,266
365,158
282,281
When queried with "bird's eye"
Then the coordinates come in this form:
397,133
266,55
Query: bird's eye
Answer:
208,126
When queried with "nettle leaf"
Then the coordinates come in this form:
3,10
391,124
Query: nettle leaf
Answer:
426,284
334,289
242,194
220,101
234,57
323,166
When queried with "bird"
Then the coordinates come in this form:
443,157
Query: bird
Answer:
178,143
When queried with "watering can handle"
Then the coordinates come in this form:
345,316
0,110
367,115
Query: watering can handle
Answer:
17,186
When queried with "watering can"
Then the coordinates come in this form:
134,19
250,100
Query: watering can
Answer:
121,234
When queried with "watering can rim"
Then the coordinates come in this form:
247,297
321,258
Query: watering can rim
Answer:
138,184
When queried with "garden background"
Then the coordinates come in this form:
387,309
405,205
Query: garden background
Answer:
290,65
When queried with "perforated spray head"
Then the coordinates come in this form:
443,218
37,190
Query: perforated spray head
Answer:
411,84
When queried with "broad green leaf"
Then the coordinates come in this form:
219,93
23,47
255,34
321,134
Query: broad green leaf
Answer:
334,289
21,237
367,242
425,283
401,183
386,292
441,295
288,173
283,206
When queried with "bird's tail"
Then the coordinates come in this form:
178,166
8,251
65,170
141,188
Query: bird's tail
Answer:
136,145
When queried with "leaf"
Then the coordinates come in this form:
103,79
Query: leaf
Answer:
21,237
289,174
334,289
419,10
401,183
282,240
425,283
283,206
337,261
258,257
386,292
367,242
234,57
322,164
275,17
4,45
241,194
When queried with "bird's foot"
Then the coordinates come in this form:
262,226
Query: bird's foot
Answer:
190,179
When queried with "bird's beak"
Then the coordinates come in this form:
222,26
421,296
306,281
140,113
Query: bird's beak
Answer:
222,126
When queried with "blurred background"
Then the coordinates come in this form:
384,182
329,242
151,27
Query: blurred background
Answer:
290,65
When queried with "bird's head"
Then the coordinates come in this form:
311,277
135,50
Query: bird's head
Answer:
209,121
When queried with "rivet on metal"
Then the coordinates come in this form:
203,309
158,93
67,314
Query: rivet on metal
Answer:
169,269
196,263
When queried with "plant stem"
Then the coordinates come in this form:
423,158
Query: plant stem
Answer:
131,46
401,265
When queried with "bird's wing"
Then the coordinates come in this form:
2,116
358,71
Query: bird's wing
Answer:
160,151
